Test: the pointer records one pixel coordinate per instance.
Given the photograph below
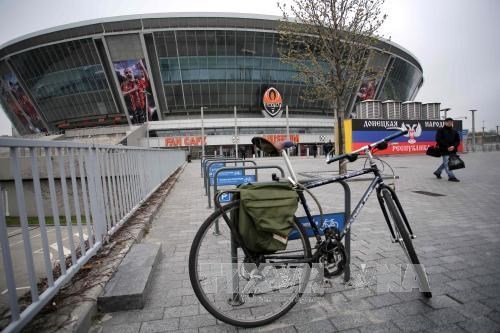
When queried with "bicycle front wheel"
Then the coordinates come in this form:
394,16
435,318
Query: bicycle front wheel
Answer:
240,290
405,241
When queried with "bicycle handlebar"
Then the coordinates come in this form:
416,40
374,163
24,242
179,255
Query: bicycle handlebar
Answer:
351,157
354,155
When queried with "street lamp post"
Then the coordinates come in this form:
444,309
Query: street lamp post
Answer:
236,138
445,112
473,131
482,139
147,129
202,135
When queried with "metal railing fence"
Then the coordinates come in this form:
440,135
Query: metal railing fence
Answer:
58,203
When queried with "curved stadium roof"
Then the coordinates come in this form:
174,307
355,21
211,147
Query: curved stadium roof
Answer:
120,24
72,72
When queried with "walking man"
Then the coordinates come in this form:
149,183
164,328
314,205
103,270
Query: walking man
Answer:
448,140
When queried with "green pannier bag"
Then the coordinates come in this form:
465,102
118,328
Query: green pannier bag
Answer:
265,215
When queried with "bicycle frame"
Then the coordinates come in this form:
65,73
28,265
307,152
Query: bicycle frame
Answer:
377,184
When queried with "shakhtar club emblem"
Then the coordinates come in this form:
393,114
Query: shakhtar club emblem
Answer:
272,102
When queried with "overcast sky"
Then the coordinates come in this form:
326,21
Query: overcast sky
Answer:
456,41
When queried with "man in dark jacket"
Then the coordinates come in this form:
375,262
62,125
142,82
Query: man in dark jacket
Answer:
448,140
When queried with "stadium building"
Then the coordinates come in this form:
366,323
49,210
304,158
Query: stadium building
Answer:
171,77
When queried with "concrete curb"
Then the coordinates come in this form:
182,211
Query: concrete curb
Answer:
129,286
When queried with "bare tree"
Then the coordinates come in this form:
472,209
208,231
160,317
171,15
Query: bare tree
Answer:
328,42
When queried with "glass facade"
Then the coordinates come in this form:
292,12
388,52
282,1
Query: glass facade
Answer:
66,80
222,68
401,82
219,63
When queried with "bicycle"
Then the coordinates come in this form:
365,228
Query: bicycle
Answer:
248,289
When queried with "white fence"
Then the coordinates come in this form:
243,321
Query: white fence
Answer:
65,198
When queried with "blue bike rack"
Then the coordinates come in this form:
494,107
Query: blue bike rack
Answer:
220,164
206,159
238,180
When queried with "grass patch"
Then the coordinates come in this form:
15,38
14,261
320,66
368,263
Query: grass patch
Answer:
14,221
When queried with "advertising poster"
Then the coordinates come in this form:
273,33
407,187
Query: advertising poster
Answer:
136,89
19,104
367,89
372,77
421,134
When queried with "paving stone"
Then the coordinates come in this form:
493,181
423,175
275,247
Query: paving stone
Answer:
480,324
155,302
465,296
489,291
495,316
347,321
445,316
316,326
351,330
462,284
155,326
413,323
189,300
358,293
435,269
453,328
304,315
181,311
221,328
197,321
123,328
387,327
473,310
438,278
493,303
461,273
180,292
441,301
358,304
442,289
485,280
135,316
381,315
410,296
383,300
412,308
270,328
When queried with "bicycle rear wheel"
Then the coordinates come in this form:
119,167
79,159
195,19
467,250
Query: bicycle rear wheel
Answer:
237,289
405,241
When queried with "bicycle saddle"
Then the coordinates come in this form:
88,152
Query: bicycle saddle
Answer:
270,147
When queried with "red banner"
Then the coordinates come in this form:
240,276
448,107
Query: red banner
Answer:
421,134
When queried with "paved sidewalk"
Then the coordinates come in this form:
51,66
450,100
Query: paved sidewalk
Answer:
458,241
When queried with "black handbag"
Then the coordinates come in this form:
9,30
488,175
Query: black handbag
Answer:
455,162
433,151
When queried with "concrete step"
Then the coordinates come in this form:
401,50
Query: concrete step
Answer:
128,288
